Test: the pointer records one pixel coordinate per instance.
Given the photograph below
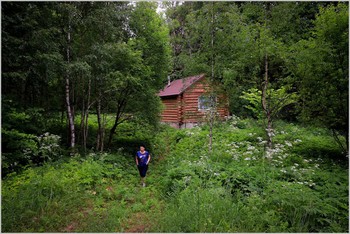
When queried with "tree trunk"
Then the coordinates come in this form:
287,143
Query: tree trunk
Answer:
86,129
211,120
70,116
82,122
266,108
70,113
336,138
211,117
82,119
104,122
112,131
347,144
120,109
99,131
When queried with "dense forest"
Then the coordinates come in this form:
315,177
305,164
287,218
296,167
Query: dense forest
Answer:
79,95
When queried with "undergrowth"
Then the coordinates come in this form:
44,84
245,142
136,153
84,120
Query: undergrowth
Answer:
300,186
93,194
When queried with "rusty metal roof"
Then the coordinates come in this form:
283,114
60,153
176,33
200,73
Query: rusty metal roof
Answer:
177,87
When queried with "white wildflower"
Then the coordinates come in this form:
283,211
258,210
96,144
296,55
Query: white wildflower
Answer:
235,156
250,147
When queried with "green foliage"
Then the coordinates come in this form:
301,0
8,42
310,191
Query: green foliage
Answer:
52,196
302,187
308,55
321,64
120,56
151,37
253,96
14,144
278,99
114,55
239,188
25,140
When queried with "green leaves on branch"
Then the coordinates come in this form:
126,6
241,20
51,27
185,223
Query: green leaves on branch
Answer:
152,40
277,100
322,65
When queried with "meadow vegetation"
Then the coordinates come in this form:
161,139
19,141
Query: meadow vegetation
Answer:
80,85
302,186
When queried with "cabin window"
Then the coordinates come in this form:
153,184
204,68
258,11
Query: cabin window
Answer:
206,102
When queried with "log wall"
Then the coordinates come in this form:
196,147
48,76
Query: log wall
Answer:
172,110
191,113
183,108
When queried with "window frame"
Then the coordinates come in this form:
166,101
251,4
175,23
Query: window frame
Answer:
210,102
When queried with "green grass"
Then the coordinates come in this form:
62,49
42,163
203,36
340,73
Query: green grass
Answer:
234,188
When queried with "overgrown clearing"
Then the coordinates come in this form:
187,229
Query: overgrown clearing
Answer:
81,88
236,188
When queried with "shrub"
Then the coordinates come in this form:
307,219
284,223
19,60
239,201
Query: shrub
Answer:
15,144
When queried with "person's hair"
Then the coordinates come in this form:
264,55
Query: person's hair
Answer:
142,145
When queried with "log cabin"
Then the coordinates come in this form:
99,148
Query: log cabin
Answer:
186,102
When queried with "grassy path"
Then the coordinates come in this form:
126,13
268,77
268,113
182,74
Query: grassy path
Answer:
145,218
122,205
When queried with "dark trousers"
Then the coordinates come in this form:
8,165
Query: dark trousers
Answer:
143,170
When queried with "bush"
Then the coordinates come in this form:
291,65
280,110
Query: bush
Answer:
14,145
25,138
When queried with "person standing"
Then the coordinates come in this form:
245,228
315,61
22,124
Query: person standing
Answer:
142,159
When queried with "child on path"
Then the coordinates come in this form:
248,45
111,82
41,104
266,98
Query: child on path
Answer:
142,159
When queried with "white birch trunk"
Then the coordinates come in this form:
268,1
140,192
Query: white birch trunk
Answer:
70,113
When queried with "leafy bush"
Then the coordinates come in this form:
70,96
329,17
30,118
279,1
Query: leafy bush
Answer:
25,138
